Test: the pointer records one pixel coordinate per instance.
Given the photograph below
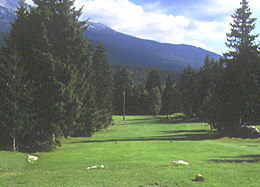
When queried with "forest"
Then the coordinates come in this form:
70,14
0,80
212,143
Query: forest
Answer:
55,83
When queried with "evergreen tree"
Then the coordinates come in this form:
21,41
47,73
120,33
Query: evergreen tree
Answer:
16,100
58,60
168,100
189,92
122,82
239,88
103,87
31,44
140,101
153,80
155,101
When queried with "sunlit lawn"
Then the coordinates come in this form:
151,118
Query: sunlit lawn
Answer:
139,152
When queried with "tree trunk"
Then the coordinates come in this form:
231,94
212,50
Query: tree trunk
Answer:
14,149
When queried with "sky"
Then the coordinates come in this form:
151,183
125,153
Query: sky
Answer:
201,23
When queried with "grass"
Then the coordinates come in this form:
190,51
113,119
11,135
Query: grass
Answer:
139,152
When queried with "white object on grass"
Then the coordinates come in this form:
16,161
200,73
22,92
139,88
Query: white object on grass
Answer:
180,162
32,158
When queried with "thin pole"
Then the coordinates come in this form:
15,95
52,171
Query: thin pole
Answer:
124,106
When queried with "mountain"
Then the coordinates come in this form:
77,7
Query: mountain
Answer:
7,15
129,50
10,4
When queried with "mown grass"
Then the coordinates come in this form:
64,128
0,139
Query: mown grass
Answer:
139,152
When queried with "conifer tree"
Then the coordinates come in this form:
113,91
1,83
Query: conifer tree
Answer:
153,80
17,117
238,89
55,55
155,101
103,87
188,90
168,100
122,82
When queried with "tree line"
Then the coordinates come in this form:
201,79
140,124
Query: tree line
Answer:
226,93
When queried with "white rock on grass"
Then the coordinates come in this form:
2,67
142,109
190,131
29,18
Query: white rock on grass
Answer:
32,158
179,162
95,167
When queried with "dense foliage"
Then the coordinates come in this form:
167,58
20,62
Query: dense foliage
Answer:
226,93
48,83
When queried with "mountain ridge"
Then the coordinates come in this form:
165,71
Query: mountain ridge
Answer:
129,50
147,53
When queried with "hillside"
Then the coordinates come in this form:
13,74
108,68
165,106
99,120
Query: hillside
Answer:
128,50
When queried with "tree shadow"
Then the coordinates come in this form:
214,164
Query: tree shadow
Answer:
163,120
196,135
178,120
238,159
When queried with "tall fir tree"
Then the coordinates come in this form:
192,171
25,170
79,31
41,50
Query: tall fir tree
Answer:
32,45
155,102
103,87
122,83
188,90
238,90
56,57
168,97
17,117
153,80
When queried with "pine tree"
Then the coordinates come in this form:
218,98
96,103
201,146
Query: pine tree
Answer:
240,39
153,80
122,82
55,56
168,100
31,44
243,65
155,101
189,92
103,87
16,113
238,89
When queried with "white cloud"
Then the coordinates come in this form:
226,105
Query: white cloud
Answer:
208,24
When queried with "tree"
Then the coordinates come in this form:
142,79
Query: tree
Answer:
189,92
238,89
16,100
168,97
103,87
240,39
155,101
153,80
122,82
57,58
31,44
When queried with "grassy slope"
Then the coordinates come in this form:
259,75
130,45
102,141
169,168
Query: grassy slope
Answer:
138,152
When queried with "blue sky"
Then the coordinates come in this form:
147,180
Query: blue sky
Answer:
202,23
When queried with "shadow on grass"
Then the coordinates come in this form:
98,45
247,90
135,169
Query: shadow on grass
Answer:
196,135
239,159
162,120
178,120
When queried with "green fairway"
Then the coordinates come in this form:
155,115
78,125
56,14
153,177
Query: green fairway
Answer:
138,152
